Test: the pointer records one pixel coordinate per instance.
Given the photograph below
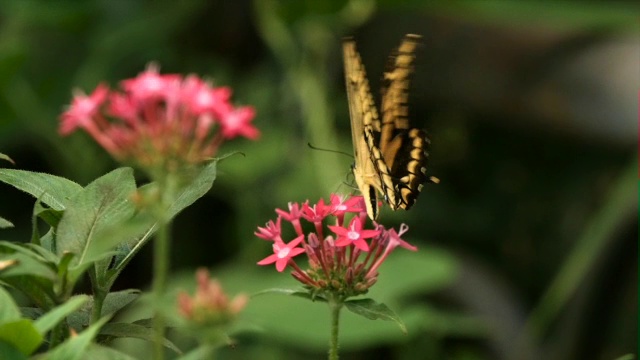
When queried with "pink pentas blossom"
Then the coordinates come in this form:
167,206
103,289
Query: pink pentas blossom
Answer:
237,122
271,231
200,97
353,234
82,110
160,121
389,241
347,264
341,205
283,253
150,85
209,305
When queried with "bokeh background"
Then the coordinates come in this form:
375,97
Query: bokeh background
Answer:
528,246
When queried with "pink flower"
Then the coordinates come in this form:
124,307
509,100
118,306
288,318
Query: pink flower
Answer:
283,253
348,265
201,98
150,85
317,212
341,206
209,305
160,122
236,122
82,110
354,234
271,231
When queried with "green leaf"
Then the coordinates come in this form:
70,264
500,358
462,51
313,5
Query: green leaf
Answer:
118,237
26,265
186,196
10,352
9,310
117,300
196,189
63,265
52,190
22,335
103,203
47,321
38,289
292,292
201,352
99,352
75,347
129,330
31,251
4,223
50,216
7,158
30,275
374,311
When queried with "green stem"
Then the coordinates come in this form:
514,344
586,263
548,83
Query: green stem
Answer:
160,269
335,305
161,249
98,300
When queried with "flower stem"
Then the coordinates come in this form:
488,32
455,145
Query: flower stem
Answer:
335,305
160,269
167,184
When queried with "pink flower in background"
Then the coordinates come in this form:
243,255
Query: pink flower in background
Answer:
347,264
209,305
160,121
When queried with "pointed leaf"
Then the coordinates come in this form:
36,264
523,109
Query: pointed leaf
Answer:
129,330
25,265
75,347
99,352
22,335
7,158
34,252
118,238
103,203
200,185
196,189
52,190
201,352
373,310
38,289
10,352
292,292
4,223
9,310
117,300
47,321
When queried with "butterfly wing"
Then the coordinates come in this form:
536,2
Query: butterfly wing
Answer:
404,149
364,115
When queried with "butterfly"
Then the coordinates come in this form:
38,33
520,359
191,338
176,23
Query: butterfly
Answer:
390,156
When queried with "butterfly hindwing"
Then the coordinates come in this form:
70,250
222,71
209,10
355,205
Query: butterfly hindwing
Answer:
390,157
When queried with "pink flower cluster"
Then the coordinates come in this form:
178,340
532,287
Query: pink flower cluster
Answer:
159,118
209,305
346,262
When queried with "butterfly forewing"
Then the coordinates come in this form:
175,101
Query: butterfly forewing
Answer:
363,114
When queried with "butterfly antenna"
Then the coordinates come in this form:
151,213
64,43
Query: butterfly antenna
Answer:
329,150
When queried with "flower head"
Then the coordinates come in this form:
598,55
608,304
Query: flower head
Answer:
160,122
347,264
209,305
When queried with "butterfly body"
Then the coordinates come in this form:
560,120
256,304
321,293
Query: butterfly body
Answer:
390,156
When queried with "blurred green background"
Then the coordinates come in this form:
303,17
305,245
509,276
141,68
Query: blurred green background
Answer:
528,246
